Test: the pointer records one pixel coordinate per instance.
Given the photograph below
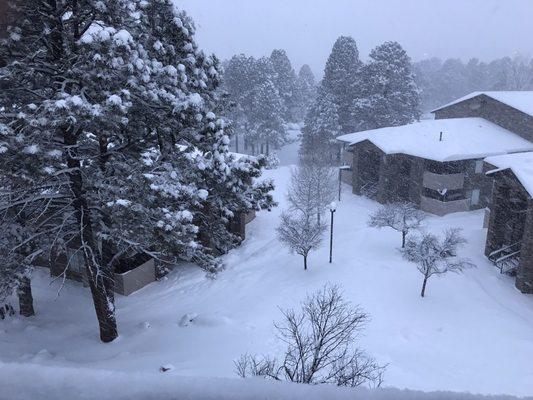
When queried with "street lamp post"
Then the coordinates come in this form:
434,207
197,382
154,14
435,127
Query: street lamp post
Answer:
342,168
332,209
340,183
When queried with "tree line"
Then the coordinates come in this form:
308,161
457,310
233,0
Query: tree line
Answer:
355,96
442,81
265,94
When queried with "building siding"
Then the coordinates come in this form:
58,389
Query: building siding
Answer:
507,187
486,107
403,178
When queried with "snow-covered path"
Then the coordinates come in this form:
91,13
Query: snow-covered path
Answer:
474,332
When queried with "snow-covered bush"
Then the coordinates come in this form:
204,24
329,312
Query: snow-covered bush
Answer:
272,161
320,340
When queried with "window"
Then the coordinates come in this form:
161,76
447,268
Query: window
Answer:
475,197
476,105
479,166
445,195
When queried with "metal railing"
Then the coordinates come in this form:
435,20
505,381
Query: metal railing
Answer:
507,258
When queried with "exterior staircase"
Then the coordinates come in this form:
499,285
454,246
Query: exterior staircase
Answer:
507,258
370,190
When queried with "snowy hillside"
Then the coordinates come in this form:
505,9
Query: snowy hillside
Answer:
473,332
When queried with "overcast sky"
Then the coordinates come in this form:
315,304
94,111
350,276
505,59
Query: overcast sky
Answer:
485,29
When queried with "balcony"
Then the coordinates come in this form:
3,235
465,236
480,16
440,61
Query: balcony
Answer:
440,182
441,208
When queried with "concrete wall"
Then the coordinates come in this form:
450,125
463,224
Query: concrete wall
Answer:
441,208
492,110
249,217
135,279
439,182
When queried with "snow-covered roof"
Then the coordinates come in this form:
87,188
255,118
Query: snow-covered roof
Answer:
521,164
521,100
462,139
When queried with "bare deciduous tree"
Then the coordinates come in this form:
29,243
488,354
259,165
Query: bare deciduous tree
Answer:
300,233
312,188
320,345
325,186
301,191
402,217
435,256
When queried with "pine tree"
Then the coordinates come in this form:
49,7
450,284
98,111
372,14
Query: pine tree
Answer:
305,91
320,130
66,77
285,82
426,76
113,141
267,118
390,95
239,81
258,111
341,79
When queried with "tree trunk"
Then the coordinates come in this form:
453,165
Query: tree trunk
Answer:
25,298
423,292
236,143
98,277
268,148
108,249
305,262
404,235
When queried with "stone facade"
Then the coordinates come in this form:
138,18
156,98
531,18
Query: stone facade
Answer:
492,110
404,178
510,227
127,281
3,18
400,177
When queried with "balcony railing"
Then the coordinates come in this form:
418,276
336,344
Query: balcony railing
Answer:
441,182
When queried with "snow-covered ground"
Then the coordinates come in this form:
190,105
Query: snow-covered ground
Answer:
473,332
288,154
